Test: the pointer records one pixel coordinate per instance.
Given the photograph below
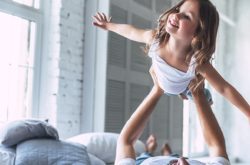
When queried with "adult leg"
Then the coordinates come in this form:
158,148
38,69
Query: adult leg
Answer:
151,145
166,150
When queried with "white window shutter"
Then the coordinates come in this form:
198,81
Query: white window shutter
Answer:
128,80
115,106
145,3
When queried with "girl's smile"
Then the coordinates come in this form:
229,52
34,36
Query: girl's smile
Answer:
174,23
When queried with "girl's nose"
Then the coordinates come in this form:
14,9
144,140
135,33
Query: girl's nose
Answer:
176,16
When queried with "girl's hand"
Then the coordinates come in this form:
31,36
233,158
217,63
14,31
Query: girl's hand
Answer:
155,81
101,20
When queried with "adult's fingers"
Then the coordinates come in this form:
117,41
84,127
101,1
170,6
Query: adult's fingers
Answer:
152,74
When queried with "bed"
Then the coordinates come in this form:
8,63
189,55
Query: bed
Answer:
36,142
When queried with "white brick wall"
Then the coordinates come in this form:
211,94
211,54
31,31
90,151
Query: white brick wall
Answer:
69,96
62,69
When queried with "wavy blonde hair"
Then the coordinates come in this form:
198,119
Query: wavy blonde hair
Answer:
204,41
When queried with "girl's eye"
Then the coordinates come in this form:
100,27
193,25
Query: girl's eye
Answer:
186,16
177,10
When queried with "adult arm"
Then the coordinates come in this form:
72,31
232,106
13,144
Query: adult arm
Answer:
125,30
136,123
224,88
211,130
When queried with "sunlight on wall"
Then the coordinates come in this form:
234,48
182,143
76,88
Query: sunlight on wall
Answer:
193,140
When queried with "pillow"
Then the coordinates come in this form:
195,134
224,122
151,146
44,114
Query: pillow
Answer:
95,161
21,130
103,145
48,151
7,155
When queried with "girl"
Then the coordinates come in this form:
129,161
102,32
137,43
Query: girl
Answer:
181,48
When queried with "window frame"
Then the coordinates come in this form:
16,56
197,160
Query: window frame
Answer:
36,16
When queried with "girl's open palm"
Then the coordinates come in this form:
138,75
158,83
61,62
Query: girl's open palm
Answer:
101,20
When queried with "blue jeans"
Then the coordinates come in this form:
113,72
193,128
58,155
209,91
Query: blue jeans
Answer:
189,95
206,92
146,155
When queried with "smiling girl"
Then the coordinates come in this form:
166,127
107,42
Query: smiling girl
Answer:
181,49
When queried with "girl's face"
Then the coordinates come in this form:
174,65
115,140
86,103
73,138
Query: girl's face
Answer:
183,23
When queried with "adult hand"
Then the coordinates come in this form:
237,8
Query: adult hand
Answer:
197,90
155,81
183,96
101,20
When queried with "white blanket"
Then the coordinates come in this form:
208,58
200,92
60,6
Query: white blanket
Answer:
7,156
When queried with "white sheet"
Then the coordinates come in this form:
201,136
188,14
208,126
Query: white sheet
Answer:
7,156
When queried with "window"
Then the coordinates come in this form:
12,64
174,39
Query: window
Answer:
31,3
19,65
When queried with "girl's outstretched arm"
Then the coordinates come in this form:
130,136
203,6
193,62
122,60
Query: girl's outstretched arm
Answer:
136,123
224,88
125,30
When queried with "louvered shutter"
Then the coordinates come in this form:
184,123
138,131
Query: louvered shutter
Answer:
145,3
137,94
115,107
139,62
162,5
128,80
116,86
117,44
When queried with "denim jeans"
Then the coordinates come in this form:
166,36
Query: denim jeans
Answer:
146,155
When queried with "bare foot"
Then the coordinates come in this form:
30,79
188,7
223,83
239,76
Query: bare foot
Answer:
166,150
151,144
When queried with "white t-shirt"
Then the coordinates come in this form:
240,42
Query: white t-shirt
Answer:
171,80
164,160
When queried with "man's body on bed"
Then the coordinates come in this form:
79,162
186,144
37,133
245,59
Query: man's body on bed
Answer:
125,154
151,145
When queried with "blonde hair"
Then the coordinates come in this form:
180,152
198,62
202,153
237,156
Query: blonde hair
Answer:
204,41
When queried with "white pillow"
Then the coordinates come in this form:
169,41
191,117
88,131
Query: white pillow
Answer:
103,145
95,161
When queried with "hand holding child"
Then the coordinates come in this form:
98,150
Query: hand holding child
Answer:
155,81
199,90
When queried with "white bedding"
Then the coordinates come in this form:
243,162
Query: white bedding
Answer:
7,156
